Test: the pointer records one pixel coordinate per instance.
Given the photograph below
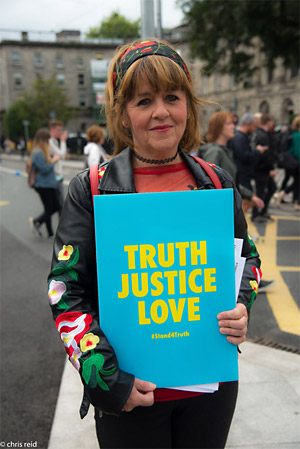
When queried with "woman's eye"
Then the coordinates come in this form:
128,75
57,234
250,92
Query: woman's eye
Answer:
172,97
144,102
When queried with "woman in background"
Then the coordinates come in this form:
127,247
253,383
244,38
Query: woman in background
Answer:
45,181
94,151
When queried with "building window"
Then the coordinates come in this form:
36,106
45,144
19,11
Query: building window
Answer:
270,74
294,71
16,58
264,107
18,79
204,85
59,62
82,101
80,62
218,79
38,60
232,82
81,79
60,77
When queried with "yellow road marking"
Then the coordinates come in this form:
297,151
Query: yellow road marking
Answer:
285,309
4,203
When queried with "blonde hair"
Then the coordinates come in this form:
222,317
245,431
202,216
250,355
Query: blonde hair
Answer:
41,142
162,74
94,134
296,123
216,124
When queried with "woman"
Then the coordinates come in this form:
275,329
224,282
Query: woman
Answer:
220,130
45,181
294,150
94,150
152,115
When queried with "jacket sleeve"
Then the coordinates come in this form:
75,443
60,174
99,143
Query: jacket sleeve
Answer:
39,163
73,297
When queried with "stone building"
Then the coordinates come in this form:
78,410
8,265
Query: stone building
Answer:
68,58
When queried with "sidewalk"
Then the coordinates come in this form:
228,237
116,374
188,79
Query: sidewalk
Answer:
267,413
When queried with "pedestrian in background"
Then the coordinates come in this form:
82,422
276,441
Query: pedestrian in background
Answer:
244,157
94,152
264,172
152,114
294,161
58,146
45,182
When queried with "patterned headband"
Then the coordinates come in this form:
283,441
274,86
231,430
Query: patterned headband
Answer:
140,50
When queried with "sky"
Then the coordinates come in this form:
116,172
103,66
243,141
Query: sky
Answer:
56,15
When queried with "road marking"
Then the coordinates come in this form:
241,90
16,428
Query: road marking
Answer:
4,203
285,309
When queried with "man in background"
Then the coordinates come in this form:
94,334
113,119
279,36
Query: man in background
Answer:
58,146
264,168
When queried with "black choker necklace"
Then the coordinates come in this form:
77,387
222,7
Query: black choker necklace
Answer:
154,161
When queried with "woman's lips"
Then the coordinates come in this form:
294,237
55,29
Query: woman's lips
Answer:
161,129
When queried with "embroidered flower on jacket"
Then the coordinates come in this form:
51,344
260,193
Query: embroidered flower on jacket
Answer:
74,359
65,253
88,342
72,326
254,285
101,172
56,290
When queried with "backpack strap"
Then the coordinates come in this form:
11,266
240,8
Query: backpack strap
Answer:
94,180
210,172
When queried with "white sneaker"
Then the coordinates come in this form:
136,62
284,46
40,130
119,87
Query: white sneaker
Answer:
35,229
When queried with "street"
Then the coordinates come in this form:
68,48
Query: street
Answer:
32,356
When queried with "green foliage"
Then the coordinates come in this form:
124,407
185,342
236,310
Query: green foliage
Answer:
222,32
45,99
116,26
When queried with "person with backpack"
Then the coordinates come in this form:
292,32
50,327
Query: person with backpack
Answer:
152,115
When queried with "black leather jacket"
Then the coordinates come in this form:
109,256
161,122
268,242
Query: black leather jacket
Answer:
73,285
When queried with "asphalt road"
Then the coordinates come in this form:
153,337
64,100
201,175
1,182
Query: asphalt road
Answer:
32,356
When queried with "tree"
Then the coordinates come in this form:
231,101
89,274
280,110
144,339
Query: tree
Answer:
116,26
45,100
222,33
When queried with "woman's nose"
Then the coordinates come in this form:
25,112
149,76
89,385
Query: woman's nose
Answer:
160,110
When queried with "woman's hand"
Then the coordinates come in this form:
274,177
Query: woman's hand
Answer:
141,394
234,323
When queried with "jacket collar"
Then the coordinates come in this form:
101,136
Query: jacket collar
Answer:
119,178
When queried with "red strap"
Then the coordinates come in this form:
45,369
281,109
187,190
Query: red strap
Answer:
94,180
210,172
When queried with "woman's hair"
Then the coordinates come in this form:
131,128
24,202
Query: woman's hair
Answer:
94,134
41,142
296,123
216,124
162,74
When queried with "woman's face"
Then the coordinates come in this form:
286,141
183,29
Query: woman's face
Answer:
157,121
228,129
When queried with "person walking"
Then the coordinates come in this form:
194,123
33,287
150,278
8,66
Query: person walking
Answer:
152,115
293,159
58,147
265,172
94,151
244,157
45,181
